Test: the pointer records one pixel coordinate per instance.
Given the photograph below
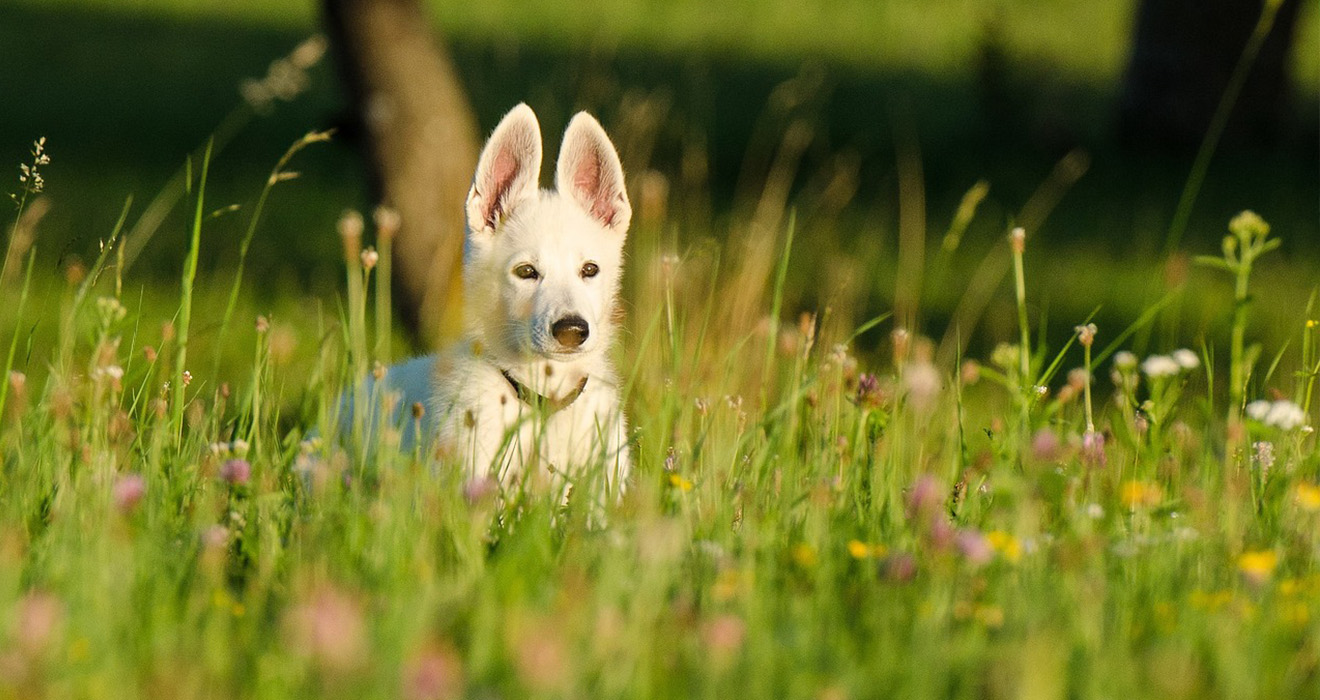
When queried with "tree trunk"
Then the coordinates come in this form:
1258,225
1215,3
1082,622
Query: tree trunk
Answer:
1183,54
420,141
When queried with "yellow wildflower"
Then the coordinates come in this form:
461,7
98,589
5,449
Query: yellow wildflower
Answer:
1307,496
1007,545
1257,567
804,555
861,550
1143,494
680,483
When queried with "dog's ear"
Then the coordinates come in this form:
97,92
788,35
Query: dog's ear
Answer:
590,174
509,169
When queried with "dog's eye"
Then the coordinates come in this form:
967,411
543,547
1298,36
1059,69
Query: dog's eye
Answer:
590,270
526,272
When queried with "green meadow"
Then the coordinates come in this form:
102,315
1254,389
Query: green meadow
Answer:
982,495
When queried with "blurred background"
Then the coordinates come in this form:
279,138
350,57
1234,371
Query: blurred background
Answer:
869,121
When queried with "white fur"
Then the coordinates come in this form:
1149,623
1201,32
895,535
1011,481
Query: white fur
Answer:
473,412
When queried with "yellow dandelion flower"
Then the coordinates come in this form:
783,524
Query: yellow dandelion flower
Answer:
1007,545
861,550
1307,496
1312,323
680,483
804,555
1257,567
1141,494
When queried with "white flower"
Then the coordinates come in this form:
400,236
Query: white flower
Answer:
1257,410
1160,366
1095,511
1186,359
1283,414
240,447
1125,360
1286,415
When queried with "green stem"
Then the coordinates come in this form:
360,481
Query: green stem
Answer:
186,295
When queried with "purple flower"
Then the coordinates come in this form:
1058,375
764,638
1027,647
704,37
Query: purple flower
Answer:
236,472
868,391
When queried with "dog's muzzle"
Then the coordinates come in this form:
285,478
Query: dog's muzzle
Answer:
570,331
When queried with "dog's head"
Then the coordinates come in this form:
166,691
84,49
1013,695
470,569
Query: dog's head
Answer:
542,268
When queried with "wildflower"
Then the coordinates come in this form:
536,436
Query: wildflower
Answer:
970,372
215,537
329,627
478,490
1095,511
1186,359
1125,360
1264,456
975,547
1045,445
679,482
369,258
187,377
263,324
1248,224
37,616
240,447
901,568
804,555
128,492
924,498
858,549
900,337
1159,366
1140,494
724,637
434,674
1283,414
1307,496
1093,448
1086,334
387,221
111,310
1257,567
149,353
1006,544
236,472
350,228
922,382
1005,356
1017,238
868,391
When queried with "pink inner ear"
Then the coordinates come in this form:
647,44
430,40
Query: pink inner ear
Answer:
591,187
502,171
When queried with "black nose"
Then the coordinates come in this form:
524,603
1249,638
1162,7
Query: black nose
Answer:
570,331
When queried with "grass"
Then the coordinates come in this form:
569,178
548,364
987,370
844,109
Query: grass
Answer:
823,506
818,523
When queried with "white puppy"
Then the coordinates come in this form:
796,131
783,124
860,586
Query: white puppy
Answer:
530,391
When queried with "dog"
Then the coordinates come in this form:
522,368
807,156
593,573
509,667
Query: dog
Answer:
530,392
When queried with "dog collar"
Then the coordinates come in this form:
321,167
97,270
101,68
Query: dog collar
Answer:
545,403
